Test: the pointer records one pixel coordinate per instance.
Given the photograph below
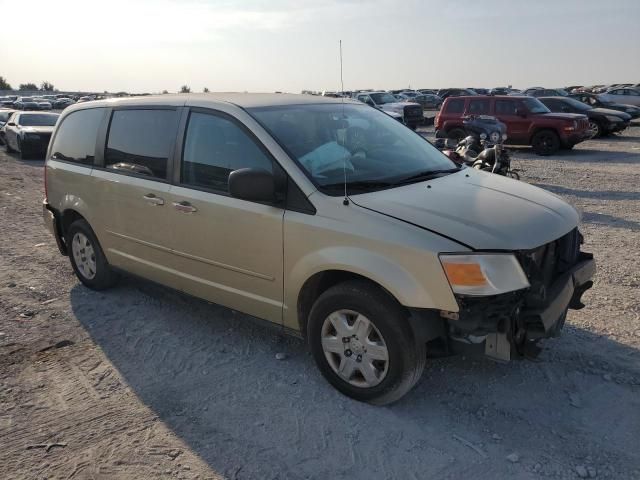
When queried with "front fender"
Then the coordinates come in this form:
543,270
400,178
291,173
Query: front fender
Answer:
427,288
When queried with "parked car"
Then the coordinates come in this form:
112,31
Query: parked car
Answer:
7,101
528,121
498,91
410,113
4,117
29,132
63,102
628,96
454,92
25,103
602,121
545,92
85,99
414,253
595,101
426,101
480,91
43,104
427,91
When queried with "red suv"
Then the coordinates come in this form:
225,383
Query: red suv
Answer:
528,121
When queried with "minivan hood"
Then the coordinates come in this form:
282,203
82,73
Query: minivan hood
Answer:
481,210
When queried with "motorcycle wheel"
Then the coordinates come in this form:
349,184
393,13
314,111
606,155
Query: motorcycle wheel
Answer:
512,174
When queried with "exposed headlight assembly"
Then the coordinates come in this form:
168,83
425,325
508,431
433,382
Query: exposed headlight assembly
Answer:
495,137
483,274
483,136
504,136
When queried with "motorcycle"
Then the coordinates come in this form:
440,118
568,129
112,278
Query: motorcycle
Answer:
483,149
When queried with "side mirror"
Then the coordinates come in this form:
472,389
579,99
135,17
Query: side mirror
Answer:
11,124
252,184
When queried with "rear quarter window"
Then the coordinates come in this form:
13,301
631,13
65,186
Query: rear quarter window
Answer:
75,139
455,105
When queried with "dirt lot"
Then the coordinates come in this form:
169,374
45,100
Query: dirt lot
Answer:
140,382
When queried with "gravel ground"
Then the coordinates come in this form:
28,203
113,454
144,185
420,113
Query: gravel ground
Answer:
141,382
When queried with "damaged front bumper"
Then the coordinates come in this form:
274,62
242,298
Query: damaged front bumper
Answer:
510,324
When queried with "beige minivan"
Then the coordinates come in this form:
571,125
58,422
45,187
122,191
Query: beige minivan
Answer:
324,216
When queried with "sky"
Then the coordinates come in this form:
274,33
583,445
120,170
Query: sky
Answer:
291,45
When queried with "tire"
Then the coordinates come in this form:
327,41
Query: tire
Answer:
456,134
569,146
545,142
352,304
23,154
88,247
595,129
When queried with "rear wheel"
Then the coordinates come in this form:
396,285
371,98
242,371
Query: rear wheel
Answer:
87,258
545,142
362,343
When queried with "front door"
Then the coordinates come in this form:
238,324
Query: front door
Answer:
227,250
506,110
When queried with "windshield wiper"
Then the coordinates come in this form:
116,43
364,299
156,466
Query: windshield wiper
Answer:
426,175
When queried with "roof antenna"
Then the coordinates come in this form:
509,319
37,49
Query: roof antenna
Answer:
345,202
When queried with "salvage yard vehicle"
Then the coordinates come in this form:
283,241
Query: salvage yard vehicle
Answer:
595,101
4,117
410,113
602,121
321,215
28,133
628,96
25,103
529,122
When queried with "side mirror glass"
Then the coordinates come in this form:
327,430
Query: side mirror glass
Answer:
11,124
252,184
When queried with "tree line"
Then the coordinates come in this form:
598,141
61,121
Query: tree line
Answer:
48,87
44,86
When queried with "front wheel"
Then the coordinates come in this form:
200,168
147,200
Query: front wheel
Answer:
595,130
545,142
363,344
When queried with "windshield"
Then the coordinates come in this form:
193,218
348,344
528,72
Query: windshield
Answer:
331,141
26,99
38,120
382,98
577,104
535,106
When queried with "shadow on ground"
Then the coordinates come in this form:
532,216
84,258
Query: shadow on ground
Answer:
211,375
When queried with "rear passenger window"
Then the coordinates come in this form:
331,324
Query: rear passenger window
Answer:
214,147
75,139
141,141
505,107
455,106
479,107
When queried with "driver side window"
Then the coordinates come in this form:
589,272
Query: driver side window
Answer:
215,146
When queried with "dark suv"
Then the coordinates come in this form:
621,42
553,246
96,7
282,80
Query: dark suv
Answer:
528,121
